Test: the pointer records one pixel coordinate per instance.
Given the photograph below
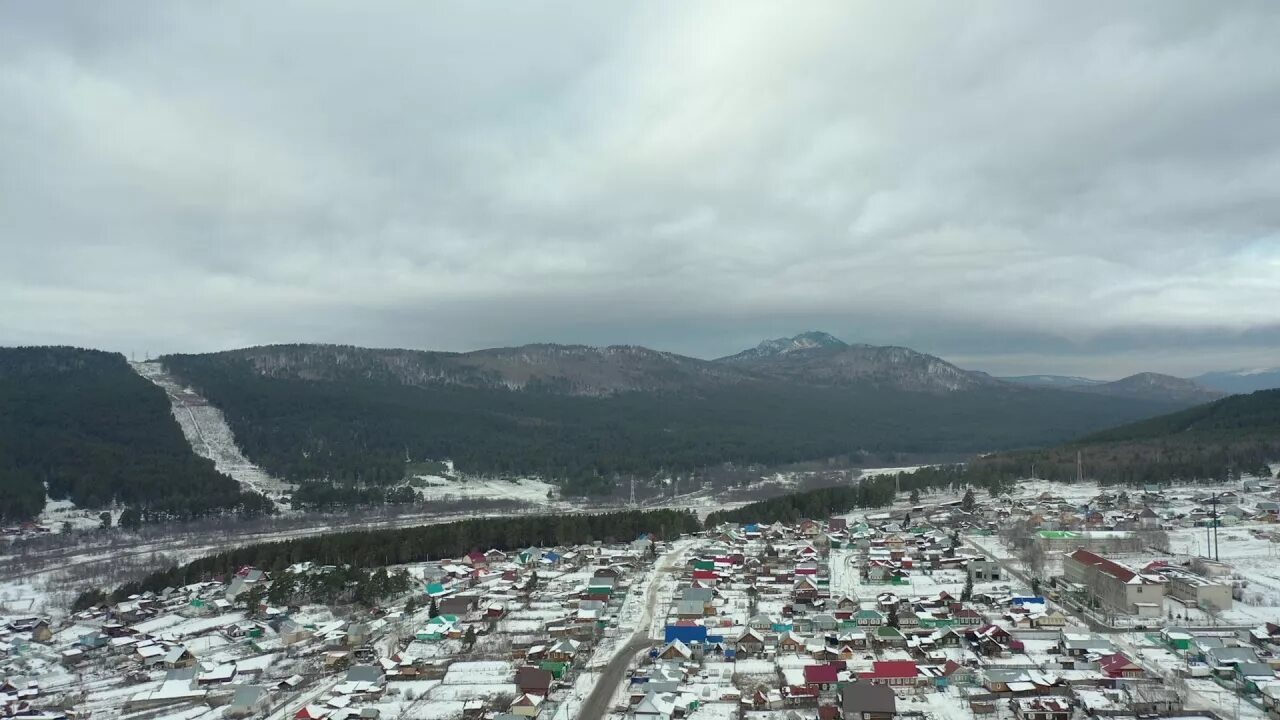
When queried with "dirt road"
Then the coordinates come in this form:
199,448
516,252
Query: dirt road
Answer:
597,703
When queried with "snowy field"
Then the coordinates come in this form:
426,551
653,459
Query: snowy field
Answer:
527,491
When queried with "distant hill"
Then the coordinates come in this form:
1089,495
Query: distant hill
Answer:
1239,432
81,425
1241,381
817,358
1232,418
1143,386
1153,386
588,416
1058,381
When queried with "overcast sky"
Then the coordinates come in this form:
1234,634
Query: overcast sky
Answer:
1018,187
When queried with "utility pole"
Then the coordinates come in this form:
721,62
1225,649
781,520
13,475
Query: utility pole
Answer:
1215,527
1208,542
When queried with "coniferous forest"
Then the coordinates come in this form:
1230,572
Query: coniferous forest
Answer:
355,426
82,426
1236,435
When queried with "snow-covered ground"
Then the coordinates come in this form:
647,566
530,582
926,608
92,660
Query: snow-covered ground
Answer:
527,491
206,429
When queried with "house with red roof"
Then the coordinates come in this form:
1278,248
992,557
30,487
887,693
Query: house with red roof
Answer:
799,696
705,576
892,672
823,678
1119,665
1115,586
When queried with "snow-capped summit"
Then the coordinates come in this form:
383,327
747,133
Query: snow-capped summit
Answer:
811,340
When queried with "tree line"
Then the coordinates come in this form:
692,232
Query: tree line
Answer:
812,504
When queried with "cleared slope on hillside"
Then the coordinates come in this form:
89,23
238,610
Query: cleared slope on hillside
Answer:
207,432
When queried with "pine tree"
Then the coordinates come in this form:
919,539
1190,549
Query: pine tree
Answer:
967,594
969,503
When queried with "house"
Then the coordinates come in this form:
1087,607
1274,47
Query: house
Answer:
248,700
178,657
984,570
866,701
1076,645
676,650
891,672
1250,677
822,678
791,643
990,640
957,674
534,681
1041,708
690,609
244,579
373,674
870,618
563,650
687,633
1118,665
526,705
748,644
1052,619
1150,699
460,605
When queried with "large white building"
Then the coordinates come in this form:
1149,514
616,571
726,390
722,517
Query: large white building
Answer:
1116,587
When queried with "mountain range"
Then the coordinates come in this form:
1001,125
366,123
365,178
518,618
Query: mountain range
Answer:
811,358
588,415
348,419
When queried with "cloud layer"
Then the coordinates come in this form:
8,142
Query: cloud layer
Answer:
1024,187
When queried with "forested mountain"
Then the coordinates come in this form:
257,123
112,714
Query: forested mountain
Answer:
354,416
1142,386
816,358
1237,434
561,369
1153,386
83,425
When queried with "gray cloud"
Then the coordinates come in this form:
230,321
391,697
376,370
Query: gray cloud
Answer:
1018,186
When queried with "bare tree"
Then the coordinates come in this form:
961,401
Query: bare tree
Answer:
1033,558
